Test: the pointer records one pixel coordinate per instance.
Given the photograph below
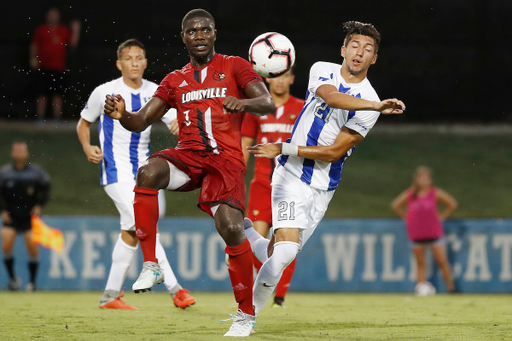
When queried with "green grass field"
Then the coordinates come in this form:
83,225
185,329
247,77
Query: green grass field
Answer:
474,168
75,316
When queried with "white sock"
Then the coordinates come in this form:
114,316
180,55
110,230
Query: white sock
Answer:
170,280
259,244
271,272
121,259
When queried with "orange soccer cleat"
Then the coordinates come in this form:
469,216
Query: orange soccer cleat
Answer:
183,300
117,303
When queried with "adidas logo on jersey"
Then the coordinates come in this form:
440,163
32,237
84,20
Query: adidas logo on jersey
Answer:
184,83
201,94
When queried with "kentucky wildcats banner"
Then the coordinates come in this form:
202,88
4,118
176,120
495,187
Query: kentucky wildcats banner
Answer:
342,255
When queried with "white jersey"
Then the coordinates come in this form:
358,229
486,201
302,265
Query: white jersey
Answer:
123,151
319,125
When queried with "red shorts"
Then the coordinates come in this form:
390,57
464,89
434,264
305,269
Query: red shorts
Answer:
259,206
220,179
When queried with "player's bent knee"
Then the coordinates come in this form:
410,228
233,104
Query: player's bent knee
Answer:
154,174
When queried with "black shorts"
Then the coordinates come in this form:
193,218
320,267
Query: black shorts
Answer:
50,82
21,224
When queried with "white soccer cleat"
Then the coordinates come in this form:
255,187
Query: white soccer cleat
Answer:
150,275
243,325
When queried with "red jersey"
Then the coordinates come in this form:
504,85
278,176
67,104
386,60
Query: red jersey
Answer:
51,42
198,95
271,128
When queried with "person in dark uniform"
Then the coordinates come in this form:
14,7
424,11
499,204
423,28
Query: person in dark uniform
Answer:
24,189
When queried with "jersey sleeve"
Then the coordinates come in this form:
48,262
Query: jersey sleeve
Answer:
363,121
169,116
94,106
250,126
320,74
166,92
244,73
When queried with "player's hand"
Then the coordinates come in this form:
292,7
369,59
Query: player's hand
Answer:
268,150
174,127
36,210
6,218
233,105
93,154
391,106
114,106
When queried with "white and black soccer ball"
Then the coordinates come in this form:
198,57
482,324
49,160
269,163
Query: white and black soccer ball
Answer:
271,54
425,289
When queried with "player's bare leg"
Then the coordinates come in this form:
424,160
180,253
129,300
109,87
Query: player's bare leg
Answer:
151,177
57,106
439,252
229,222
41,107
419,255
8,238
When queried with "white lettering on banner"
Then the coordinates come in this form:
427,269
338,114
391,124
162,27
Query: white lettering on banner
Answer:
337,253
217,269
89,240
189,269
477,258
388,274
165,239
456,245
504,241
63,257
369,274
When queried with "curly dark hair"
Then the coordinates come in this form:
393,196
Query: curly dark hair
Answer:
356,27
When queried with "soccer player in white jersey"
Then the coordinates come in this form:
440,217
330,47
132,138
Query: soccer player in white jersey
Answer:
122,153
340,109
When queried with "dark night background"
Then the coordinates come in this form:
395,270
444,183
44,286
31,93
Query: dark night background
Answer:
449,61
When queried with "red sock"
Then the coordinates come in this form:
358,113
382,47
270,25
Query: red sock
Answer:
257,263
286,278
240,273
145,206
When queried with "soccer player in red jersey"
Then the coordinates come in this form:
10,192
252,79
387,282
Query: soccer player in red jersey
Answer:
264,129
209,93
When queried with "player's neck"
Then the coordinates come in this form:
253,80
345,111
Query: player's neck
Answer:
280,99
200,62
351,78
20,164
133,83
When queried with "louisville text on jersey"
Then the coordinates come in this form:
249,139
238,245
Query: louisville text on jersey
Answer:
197,95
276,128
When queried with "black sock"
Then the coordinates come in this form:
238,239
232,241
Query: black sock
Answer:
33,265
9,264
279,300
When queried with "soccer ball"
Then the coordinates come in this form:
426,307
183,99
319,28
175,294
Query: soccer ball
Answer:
271,54
425,289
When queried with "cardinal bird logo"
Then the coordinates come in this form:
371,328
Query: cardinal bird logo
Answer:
218,76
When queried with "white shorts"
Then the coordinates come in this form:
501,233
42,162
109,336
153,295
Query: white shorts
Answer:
296,204
122,195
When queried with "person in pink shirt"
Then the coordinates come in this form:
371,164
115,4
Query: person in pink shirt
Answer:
418,206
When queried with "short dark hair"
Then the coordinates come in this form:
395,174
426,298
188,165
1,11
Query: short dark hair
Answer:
129,43
356,27
197,13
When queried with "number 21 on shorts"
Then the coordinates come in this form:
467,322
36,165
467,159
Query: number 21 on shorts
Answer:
286,210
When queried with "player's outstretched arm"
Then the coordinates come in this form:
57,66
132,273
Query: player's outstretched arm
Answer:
345,140
259,101
152,111
339,100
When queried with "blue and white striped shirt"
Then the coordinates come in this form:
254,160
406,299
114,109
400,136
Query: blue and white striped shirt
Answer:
124,151
319,125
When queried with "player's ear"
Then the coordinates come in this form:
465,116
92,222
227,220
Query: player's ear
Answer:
374,59
144,64
343,51
182,34
118,64
215,37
